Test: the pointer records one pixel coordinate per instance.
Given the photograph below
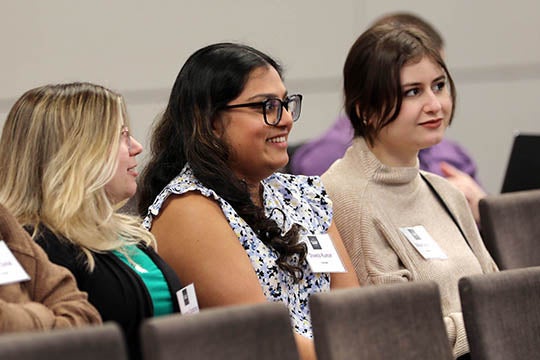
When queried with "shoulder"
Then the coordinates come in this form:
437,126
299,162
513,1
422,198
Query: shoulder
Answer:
344,177
184,183
348,193
50,241
451,195
60,251
13,234
337,173
190,204
188,210
444,187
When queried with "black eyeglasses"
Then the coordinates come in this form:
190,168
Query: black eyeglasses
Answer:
273,108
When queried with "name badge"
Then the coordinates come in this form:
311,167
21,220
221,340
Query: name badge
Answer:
10,269
322,255
187,299
423,242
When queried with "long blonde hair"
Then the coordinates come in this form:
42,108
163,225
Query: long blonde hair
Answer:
57,152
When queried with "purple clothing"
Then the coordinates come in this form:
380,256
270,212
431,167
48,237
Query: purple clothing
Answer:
316,156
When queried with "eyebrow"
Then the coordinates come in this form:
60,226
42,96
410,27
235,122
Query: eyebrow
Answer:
439,78
266,96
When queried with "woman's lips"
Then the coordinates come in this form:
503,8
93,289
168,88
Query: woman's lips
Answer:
432,124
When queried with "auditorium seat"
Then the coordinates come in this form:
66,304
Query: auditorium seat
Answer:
510,225
502,314
86,343
246,332
394,321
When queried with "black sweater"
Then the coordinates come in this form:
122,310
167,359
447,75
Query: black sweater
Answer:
117,292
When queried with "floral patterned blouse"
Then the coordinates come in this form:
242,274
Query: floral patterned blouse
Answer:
303,201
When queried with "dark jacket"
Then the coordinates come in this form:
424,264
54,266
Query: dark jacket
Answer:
117,292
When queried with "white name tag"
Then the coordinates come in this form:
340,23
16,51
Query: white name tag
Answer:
423,242
10,269
187,299
322,255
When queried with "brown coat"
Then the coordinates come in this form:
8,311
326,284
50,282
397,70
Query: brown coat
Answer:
50,299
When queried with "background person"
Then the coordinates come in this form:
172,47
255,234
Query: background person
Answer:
400,223
222,217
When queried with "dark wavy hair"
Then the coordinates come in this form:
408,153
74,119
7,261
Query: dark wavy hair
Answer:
372,74
211,78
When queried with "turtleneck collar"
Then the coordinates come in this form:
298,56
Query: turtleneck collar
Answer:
376,170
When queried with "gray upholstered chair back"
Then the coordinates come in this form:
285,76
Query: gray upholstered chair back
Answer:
502,314
510,226
87,343
247,332
396,321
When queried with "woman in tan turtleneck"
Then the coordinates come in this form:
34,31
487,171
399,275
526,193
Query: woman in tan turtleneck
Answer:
399,223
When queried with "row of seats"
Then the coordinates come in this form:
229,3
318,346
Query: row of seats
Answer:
403,321
396,321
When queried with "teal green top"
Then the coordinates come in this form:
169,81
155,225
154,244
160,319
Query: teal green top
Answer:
152,277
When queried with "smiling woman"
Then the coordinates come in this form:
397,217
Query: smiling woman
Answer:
243,128
223,218
400,98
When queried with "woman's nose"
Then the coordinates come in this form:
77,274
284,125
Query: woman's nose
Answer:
433,103
136,148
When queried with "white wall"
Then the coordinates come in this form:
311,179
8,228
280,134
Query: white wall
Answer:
137,48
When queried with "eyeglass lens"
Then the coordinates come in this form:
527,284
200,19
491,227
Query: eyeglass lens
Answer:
273,109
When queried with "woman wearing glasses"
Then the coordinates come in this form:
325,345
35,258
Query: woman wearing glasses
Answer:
67,162
222,217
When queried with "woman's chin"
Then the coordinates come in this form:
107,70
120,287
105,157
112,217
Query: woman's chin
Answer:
432,141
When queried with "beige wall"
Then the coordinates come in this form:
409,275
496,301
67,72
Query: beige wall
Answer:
137,48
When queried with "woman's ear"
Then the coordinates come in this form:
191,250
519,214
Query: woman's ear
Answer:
218,128
359,115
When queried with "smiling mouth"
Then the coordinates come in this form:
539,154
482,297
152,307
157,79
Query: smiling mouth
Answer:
278,139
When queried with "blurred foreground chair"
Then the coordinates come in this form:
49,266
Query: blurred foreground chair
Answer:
246,332
396,321
86,343
502,314
510,226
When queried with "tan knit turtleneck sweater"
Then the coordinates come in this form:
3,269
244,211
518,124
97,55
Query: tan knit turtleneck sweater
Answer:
372,201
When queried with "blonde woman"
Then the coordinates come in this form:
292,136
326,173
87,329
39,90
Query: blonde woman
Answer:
67,162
